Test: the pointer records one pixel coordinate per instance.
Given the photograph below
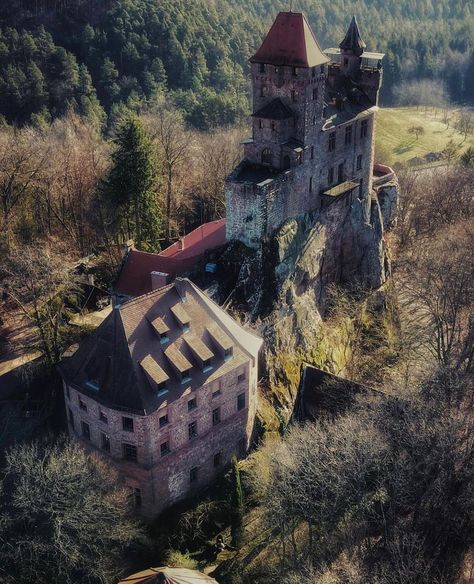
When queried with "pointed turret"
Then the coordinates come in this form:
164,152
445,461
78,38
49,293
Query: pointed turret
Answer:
290,42
353,41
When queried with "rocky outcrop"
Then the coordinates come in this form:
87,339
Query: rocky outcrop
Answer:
388,196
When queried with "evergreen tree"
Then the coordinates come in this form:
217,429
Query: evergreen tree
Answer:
131,186
236,505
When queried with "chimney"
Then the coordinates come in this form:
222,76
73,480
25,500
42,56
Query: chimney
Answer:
158,280
180,285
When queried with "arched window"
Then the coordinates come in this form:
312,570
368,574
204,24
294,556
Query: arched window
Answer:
266,156
286,163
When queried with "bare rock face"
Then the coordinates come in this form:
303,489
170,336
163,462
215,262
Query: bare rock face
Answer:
388,196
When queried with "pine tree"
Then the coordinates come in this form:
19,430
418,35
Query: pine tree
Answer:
236,505
131,186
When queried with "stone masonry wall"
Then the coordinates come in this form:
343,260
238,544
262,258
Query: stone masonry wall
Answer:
163,480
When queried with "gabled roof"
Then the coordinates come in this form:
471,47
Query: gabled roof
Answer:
181,257
290,42
353,41
275,110
127,361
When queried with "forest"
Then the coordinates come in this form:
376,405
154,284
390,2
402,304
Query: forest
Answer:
100,59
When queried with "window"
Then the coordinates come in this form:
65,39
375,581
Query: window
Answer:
322,68
263,91
364,128
273,126
192,430
186,376
129,452
103,417
163,421
82,404
312,152
262,67
348,136
340,173
299,158
315,93
192,404
313,72
286,163
207,365
241,447
127,424
293,96
359,162
240,401
71,417
162,389
260,124
216,416
314,120
86,431
241,377
193,474
346,61
266,156
216,393
295,72
311,184
331,175
332,142
105,442
217,459
137,497
164,448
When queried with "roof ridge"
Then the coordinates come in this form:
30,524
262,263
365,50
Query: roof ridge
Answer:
143,297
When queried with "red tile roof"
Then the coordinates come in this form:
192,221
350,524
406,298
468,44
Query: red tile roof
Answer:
135,276
290,42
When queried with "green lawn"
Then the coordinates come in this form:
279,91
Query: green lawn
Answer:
394,143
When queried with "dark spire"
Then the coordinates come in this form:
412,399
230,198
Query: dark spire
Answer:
353,41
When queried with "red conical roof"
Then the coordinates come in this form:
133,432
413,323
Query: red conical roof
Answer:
290,42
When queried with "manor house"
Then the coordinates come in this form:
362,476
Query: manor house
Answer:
312,129
166,389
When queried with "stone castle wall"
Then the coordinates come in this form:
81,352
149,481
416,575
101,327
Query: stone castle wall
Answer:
162,480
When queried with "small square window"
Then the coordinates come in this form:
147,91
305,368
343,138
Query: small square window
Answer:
105,442
192,404
82,404
186,376
207,365
192,430
241,377
217,459
127,424
216,416
193,474
164,448
241,401
103,417
216,394
86,431
162,389
129,452
163,421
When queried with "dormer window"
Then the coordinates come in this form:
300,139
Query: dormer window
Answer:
186,376
162,388
207,365
92,384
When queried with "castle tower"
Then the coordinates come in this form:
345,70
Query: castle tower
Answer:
312,129
352,48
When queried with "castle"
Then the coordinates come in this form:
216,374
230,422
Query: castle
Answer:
313,128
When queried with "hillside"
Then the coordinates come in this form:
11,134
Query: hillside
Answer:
98,58
396,144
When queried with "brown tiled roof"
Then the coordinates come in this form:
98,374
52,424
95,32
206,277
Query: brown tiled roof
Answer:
127,358
275,110
290,42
